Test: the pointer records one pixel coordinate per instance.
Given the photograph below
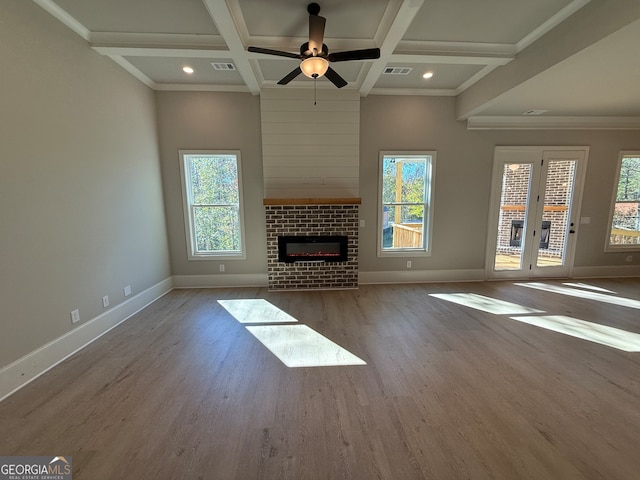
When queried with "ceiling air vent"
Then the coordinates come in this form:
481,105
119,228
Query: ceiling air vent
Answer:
225,66
397,70
535,112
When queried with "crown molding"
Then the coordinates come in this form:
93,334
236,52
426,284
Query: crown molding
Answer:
552,123
64,17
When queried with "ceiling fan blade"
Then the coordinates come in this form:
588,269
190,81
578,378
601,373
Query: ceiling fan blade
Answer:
293,74
366,54
268,51
316,32
334,78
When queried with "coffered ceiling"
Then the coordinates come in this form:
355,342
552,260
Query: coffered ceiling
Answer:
509,63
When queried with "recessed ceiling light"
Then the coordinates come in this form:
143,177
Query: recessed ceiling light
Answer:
188,70
427,75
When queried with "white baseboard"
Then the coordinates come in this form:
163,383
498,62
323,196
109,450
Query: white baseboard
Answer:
26,369
605,272
421,276
229,280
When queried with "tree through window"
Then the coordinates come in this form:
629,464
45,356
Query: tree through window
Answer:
625,216
212,194
405,202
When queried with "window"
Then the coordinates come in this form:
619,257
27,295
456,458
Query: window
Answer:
212,193
405,203
625,219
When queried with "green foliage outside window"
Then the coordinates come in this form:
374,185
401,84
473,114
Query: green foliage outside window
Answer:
626,215
404,200
214,202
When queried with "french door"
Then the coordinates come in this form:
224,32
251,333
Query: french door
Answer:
535,198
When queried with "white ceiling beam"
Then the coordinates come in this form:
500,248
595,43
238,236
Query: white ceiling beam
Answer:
410,47
159,40
448,59
397,29
552,123
162,52
200,87
226,25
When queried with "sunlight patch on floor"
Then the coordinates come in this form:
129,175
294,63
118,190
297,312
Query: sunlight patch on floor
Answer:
574,292
301,346
256,310
588,287
593,332
486,304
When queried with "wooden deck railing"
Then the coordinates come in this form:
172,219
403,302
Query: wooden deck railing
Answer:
624,237
407,235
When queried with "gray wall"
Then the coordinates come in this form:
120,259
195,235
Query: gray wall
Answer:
213,121
81,211
463,179
462,187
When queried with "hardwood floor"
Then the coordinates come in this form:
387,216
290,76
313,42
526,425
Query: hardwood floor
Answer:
184,391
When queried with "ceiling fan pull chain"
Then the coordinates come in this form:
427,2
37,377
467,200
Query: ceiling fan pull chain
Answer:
315,80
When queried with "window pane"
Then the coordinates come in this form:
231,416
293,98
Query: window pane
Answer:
629,182
403,179
625,224
214,179
403,226
217,229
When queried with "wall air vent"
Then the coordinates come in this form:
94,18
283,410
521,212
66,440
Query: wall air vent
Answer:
225,66
397,70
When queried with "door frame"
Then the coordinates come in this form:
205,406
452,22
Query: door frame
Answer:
534,155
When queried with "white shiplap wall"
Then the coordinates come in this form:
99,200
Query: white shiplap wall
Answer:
310,150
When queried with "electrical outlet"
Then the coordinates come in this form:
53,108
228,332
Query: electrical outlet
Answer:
629,258
75,316
361,223
105,301
127,290
222,267
408,263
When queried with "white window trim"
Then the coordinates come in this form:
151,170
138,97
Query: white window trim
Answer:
428,226
607,246
187,210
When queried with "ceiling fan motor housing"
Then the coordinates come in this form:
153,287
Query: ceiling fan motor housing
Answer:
305,52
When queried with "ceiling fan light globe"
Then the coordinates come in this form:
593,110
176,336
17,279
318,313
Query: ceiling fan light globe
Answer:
314,67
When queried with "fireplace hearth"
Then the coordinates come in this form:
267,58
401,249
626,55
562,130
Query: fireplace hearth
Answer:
316,248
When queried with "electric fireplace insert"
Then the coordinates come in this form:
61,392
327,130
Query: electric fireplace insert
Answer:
321,248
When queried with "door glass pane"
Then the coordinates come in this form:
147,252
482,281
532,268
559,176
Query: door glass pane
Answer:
555,217
514,196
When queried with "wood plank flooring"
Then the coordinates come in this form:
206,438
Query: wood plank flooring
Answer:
183,391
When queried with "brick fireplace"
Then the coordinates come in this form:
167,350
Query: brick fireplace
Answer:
312,217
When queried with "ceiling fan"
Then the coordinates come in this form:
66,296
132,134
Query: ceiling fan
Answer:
315,55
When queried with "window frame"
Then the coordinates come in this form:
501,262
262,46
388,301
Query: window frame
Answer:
426,249
609,247
189,224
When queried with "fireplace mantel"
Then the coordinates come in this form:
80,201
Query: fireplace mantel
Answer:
311,201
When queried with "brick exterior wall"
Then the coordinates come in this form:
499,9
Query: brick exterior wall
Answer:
514,195
310,220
